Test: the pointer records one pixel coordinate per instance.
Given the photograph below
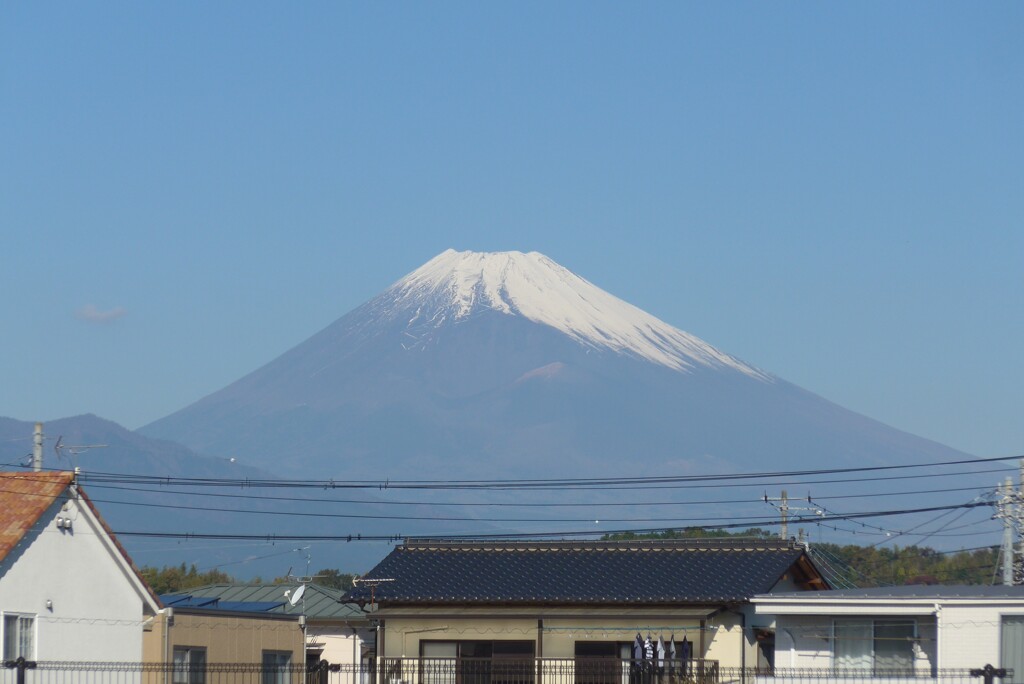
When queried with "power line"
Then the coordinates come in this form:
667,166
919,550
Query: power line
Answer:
561,483
534,535
498,504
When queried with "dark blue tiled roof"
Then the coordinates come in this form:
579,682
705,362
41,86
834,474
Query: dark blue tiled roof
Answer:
634,572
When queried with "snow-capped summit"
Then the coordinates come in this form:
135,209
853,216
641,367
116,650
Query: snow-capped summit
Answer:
506,365
453,285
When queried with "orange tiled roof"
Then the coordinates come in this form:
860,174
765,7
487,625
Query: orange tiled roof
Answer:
23,499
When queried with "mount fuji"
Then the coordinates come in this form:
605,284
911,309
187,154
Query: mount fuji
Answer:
507,365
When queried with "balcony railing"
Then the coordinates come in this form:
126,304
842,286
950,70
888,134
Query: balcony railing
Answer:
584,670
472,671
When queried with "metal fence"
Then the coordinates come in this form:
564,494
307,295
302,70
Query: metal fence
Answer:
59,672
466,671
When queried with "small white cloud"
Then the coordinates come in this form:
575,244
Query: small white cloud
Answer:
90,313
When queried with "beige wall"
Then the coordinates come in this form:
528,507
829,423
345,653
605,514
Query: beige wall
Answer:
227,638
562,629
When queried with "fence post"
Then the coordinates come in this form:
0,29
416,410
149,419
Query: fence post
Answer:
22,665
988,672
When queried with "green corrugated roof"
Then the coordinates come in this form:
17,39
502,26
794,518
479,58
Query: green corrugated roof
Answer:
321,603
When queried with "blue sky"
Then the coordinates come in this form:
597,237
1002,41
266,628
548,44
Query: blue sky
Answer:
832,192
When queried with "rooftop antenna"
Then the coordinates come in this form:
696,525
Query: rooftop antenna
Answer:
74,450
373,583
303,580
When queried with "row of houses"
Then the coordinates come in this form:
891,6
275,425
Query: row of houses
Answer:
69,592
438,611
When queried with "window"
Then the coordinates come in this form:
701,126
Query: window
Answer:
1012,647
276,667
19,631
477,662
189,665
879,646
603,662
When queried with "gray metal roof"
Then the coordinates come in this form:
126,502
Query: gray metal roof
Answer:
910,591
321,603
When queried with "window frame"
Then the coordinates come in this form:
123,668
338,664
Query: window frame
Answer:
277,672
20,620
873,651
194,673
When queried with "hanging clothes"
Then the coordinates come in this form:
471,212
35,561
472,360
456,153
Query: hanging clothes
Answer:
672,654
661,651
687,652
649,649
636,666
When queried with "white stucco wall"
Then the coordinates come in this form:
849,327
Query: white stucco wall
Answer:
954,632
970,635
85,604
340,645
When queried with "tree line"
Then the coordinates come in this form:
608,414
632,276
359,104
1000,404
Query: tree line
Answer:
172,579
870,566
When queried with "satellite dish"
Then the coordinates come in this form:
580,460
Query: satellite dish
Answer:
297,594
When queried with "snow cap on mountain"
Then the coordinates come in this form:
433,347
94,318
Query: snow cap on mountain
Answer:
452,285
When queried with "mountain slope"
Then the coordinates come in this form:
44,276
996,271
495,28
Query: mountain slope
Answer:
508,365
127,505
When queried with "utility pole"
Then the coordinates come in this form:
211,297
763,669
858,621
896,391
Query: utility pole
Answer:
783,511
37,449
1006,509
1018,519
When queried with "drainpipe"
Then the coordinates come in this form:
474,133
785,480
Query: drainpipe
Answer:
540,651
742,637
792,647
168,621
378,671
743,642
703,628
356,664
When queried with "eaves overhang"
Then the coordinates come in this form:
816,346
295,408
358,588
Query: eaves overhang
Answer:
452,612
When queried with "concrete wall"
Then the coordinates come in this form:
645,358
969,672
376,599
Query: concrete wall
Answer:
86,606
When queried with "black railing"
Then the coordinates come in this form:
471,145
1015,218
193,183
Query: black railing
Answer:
583,670
90,672
471,671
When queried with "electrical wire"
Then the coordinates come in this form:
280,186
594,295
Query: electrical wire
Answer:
500,504
560,483
515,535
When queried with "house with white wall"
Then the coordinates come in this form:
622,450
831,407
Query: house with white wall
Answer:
919,630
68,590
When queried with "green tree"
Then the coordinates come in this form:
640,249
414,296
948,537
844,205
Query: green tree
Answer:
868,566
328,577
174,578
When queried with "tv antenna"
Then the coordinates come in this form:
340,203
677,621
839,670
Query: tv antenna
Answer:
300,592
73,450
373,583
